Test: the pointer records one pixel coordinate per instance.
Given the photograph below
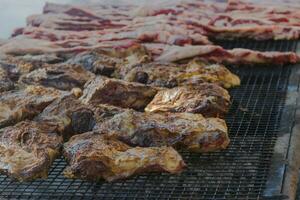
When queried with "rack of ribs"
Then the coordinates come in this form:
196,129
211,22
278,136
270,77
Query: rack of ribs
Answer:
94,156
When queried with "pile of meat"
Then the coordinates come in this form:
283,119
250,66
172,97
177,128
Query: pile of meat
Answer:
116,89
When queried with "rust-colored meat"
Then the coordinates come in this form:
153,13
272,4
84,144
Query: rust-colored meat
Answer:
94,156
184,130
28,149
208,99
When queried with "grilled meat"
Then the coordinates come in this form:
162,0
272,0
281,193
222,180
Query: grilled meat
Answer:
5,83
15,66
197,70
105,61
184,130
69,115
172,75
26,103
96,62
93,156
208,99
104,112
102,90
60,76
28,149
12,67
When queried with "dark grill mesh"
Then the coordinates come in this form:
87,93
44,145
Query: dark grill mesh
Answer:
240,172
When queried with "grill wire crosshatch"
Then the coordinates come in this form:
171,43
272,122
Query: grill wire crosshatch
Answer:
240,172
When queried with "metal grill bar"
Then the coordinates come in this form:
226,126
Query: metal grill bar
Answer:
240,172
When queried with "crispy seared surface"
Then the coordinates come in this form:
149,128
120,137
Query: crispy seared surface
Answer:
207,99
102,90
60,76
94,156
197,70
15,67
104,112
6,83
105,61
25,103
96,62
185,130
172,75
69,115
28,149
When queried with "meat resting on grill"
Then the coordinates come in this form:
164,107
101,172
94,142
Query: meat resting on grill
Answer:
105,61
182,130
94,156
28,149
69,115
5,82
102,90
60,76
172,75
104,112
208,99
25,103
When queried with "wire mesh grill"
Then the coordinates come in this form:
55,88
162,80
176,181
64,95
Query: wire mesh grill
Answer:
240,172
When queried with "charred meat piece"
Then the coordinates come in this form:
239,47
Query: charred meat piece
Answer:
102,90
26,103
104,112
105,61
208,99
28,149
184,130
5,83
155,74
12,67
69,115
16,66
96,62
60,76
198,71
172,75
94,156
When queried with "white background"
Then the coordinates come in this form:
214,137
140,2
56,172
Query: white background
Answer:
13,13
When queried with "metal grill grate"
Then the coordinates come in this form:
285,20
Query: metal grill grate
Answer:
240,172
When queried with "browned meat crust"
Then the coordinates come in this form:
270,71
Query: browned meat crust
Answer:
102,90
104,112
185,130
69,115
94,156
172,75
208,99
5,82
26,103
107,61
28,149
60,76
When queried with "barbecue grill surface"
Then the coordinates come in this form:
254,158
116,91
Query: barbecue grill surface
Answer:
240,172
